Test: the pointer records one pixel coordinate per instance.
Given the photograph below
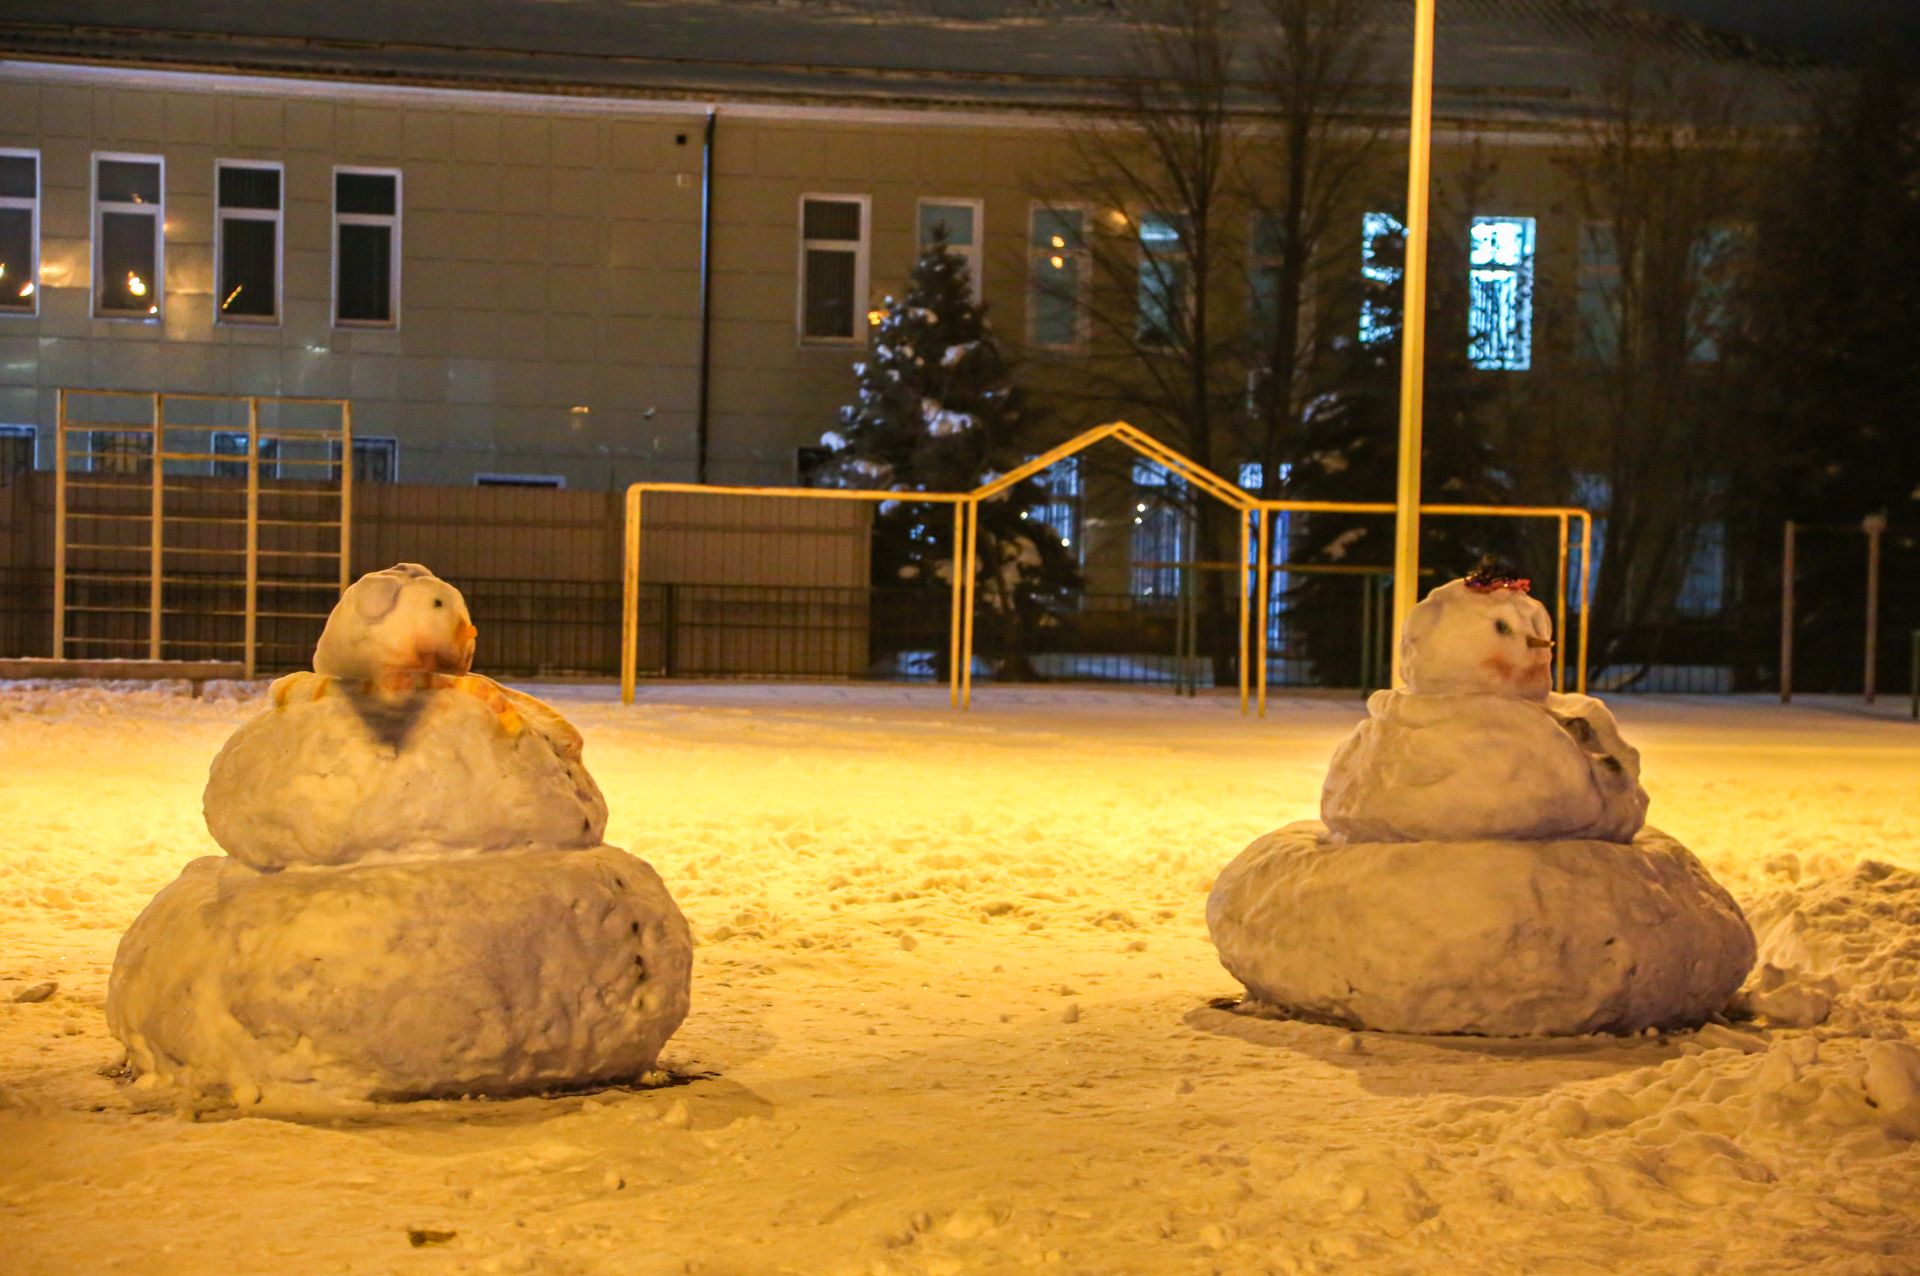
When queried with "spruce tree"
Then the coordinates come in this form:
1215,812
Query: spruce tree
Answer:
1349,451
936,410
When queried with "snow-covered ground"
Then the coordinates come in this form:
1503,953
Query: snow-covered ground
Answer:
954,1011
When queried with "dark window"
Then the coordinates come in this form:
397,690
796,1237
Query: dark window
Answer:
519,480
375,460
807,462
249,248
16,450
120,452
19,232
834,267
366,214
233,443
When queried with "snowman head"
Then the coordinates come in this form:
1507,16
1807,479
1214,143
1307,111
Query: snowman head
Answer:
401,620
1483,634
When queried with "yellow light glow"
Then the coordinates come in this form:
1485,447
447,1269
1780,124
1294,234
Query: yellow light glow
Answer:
1058,242
136,285
3,270
153,310
26,289
231,296
1057,262
875,316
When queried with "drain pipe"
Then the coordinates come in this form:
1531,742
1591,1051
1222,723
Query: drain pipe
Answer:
706,297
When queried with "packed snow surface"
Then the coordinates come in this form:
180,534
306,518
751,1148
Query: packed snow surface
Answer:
954,1010
1498,938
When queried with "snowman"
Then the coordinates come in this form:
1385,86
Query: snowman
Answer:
1482,863
1477,744
415,900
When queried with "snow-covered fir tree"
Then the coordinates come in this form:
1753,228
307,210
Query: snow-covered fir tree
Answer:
1349,450
936,410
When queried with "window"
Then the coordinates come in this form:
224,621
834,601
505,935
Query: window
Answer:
233,443
1263,282
366,247
1715,257
375,460
16,450
807,462
1159,530
129,214
119,452
963,223
1500,310
1598,297
246,242
1251,474
1703,585
1164,281
19,233
1383,248
519,480
1058,510
833,267
1057,277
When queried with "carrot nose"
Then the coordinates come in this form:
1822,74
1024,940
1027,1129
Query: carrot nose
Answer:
465,632
1539,642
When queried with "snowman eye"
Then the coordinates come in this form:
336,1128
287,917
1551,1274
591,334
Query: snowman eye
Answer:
441,603
1499,626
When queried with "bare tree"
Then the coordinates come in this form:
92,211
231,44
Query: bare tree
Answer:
1305,172
1662,181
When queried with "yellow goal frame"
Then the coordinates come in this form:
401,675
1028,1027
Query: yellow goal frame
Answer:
1256,552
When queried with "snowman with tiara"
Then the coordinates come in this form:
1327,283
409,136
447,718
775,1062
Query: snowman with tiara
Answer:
1482,864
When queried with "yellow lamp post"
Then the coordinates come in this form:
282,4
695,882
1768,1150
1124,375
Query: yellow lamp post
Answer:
1413,333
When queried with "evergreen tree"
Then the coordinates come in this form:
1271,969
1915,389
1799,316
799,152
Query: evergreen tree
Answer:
1349,452
937,411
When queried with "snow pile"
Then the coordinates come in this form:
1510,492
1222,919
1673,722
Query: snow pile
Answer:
416,901
1482,866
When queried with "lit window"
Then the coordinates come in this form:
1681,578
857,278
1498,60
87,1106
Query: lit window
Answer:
1057,276
1598,297
1251,473
1165,278
1160,530
1382,253
833,267
16,450
19,232
961,221
1057,514
375,460
246,246
366,247
1500,312
129,215
233,443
